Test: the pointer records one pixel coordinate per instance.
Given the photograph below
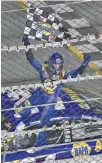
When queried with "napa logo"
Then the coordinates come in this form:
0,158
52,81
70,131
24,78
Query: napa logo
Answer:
98,146
49,90
80,150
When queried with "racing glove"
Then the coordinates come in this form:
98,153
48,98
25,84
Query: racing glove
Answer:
25,40
29,53
86,61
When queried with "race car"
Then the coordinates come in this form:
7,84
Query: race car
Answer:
71,121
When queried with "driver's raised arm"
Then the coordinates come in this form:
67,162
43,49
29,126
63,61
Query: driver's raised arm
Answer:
30,56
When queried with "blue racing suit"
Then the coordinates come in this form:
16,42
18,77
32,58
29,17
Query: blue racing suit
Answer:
46,74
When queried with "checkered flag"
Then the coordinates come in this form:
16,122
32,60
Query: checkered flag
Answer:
42,25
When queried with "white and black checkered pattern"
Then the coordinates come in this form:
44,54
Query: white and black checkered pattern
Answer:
64,22
42,25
